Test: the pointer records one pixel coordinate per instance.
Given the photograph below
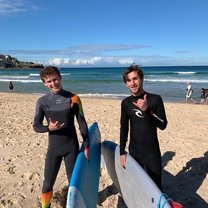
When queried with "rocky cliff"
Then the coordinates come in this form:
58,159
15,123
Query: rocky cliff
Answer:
8,62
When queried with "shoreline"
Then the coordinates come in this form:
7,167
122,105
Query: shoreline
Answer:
168,82
86,96
183,147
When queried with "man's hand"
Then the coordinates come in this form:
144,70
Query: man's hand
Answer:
142,103
123,161
53,126
87,152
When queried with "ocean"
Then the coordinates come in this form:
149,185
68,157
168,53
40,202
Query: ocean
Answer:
106,82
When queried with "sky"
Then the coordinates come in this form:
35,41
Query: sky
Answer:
92,33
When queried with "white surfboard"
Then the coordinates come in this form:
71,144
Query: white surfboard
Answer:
83,189
136,187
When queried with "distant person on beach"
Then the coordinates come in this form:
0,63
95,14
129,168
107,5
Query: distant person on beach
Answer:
189,91
145,112
204,96
11,86
59,107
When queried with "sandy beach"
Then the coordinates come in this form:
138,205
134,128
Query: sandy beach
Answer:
184,148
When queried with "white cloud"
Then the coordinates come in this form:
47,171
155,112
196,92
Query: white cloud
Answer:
78,62
101,55
94,61
148,60
59,61
15,6
184,51
105,47
98,50
66,61
126,61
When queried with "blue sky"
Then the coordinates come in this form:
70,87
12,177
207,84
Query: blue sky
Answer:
74,33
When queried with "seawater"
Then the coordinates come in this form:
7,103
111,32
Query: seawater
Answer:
169,82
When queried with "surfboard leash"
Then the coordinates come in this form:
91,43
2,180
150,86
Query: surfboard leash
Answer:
169,200
59,184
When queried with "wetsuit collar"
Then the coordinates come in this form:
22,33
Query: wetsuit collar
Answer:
140,96
59,93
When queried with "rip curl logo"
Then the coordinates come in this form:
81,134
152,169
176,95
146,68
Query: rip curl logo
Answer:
138,113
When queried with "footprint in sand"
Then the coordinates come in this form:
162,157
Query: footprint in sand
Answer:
11,170
31,176
12,200
35,187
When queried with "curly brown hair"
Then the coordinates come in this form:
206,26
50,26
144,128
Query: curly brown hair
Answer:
48,70
133,68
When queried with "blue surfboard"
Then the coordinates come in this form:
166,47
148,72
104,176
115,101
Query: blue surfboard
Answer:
83,189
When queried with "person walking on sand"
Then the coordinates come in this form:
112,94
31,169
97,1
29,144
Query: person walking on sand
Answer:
145,112
189,91
59,107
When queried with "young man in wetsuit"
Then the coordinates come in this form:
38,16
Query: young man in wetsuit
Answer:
145,112
59,107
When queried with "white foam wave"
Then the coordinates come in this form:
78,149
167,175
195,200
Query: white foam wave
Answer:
20,80
34,75
14,77
64,74
37,75
103,95
186,72
177,80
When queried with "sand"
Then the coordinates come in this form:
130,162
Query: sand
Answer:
183,143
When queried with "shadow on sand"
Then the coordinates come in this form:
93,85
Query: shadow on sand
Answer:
181,187
184,185
107,192
60,197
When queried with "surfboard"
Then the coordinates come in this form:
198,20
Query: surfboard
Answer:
133,183
83,189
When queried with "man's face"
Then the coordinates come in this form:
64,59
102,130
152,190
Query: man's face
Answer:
53,82
134,83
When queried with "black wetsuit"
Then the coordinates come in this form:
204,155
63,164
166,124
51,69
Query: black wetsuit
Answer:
62,143
144,145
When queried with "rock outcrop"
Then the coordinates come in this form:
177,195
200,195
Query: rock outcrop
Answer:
8,62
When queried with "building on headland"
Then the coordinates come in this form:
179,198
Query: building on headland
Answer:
8,62
2,61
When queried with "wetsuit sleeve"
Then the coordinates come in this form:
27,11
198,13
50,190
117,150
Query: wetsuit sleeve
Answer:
76,102
38,119
124,128
157,114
